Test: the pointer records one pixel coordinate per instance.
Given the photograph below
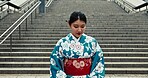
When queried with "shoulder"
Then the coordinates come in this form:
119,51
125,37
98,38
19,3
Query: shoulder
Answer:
89,38
63,39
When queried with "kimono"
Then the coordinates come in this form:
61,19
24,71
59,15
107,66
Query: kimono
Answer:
71,47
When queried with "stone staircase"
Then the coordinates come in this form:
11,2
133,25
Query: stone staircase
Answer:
123,38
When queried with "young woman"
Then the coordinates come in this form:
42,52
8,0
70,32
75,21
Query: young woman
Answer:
77,55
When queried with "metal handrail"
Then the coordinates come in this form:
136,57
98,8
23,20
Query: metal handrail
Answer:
48,3
3,4
25,4
129,5
19,22
22,5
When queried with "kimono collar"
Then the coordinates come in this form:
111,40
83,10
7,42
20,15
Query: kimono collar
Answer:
75,39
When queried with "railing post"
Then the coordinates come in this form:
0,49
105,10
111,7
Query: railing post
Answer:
1,8
35,13
19,32
26,24
11,42
31,18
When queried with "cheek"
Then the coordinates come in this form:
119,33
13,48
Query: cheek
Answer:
73,29
83,29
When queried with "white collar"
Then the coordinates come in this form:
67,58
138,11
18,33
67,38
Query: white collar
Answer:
75,39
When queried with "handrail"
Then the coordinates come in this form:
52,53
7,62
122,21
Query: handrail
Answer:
48,3
19,21
125,2
141,6
2,4
129,5
23,4
27,3
13,5
9,4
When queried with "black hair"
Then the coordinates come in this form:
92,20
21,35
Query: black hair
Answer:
75,16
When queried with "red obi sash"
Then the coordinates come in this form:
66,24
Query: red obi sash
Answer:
77,66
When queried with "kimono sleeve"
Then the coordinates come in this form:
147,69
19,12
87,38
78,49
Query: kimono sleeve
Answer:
98,68
56,69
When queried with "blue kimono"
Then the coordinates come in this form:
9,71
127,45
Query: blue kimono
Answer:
71,47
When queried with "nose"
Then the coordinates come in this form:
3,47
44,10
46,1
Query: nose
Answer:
79,29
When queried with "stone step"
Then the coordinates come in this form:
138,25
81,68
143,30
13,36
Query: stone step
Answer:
67,29
15,38
46,59
126,64
24,70
93,24
99,24
21,53
126,59
91,32
126,70
94,35
50,49
46,70
52,45
113,30
125,54
106,54
47,64
105,41
24,59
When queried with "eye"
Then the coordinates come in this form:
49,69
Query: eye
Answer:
82,26
76,26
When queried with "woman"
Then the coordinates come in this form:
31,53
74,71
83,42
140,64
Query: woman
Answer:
77,55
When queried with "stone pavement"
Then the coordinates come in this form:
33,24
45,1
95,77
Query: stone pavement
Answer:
47,76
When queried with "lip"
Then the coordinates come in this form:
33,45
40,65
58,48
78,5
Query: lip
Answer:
78,33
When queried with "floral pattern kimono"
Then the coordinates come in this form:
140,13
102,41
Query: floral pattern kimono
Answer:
83,47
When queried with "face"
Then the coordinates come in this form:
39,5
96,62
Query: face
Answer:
78,27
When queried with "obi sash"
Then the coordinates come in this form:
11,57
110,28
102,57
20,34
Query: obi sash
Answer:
77,66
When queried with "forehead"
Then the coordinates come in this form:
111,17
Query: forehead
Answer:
79,22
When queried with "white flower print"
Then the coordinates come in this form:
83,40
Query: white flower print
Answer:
100,67
65,46
77,65
72,54
74,62
98,48
59,42
52,61
56,54
87,48
86,54
67,38
79,47
72,45
100,54
82,64
93,45
94,76
88,39
60,74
